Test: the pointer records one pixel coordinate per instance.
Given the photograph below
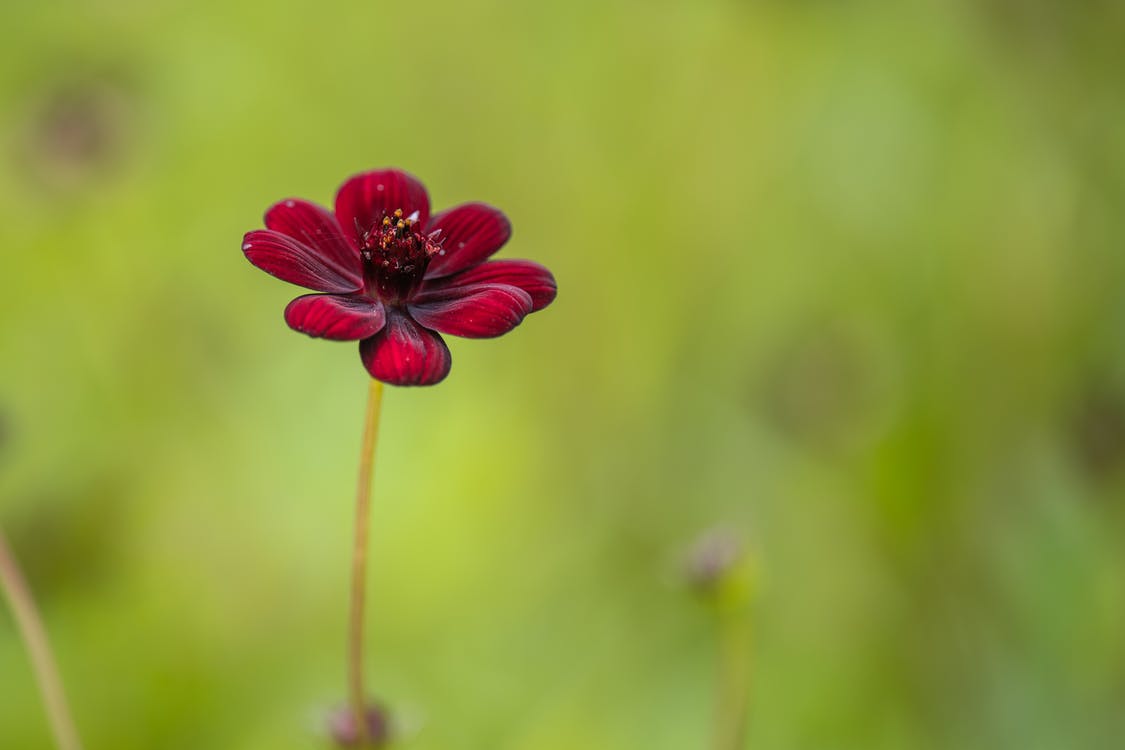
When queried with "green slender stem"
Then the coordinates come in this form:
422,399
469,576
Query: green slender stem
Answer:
734,681
30,626
357,700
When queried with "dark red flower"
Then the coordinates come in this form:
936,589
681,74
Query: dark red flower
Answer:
393,277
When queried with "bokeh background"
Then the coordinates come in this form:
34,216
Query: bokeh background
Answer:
842,277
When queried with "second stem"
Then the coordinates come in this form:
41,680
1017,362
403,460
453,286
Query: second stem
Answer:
30,626
356,696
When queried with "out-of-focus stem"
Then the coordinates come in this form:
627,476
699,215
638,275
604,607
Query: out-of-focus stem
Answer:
734,680
356,696
30,626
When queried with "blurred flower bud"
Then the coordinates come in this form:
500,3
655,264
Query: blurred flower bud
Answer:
1099,433
717,567
342,727
711,557
77,128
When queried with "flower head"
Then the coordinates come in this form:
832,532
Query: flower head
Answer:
393,277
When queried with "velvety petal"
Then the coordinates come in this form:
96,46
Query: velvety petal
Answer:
405,353
289,260
469,234
365,198
315,227
475,312
533,278
330,316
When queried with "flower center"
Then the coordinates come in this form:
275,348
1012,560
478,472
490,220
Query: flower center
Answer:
395,255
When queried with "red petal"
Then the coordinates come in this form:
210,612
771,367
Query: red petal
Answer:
289,260
405,353
315,227
475,312
469,234
530,277
366,198
329,316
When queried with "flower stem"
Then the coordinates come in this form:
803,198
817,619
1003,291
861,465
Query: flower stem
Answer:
30,626
356,696
734,681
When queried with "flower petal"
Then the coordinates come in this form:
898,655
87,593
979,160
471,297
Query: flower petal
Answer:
533,278
405,353
366,198
293,261
469,234
315,227
475,312
330,316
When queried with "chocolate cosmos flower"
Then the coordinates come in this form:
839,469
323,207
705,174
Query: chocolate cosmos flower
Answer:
393,277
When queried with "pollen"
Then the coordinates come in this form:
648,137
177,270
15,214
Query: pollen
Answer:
396,247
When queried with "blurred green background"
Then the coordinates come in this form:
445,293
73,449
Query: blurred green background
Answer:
842,277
